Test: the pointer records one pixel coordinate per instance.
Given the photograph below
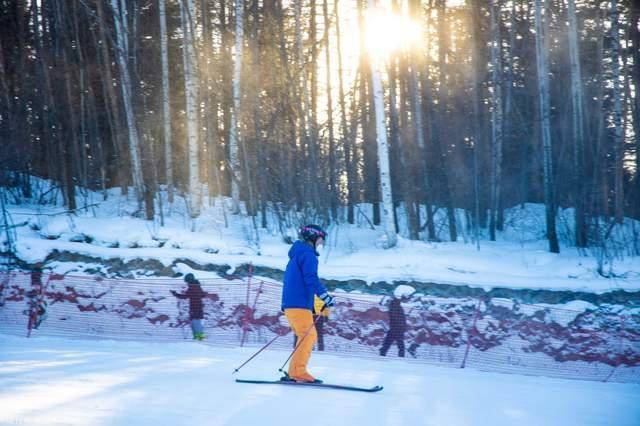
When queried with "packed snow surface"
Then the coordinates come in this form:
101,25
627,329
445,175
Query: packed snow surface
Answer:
50,381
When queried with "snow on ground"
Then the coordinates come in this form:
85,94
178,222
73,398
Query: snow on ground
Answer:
519,259
49,381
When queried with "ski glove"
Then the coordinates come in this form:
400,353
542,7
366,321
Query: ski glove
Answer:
327,299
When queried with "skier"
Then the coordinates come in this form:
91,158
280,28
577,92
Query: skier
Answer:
397,327
195,294
301,283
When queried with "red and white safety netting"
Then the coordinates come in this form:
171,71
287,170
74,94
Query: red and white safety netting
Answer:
598,343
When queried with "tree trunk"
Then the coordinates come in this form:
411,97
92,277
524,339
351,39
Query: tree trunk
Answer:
617,115
577,105
8,121
187,14
305,113
474,11
346,135
370,171
113,110
383,151
83,161
211,106
234,131
428,119
545,128
125,86
166,105
226,80
318,174
258,151
415,64
634,22
397,147
496,116
50,126
333,189
71,141
443,44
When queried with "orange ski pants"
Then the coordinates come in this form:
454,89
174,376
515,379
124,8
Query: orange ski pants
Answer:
301,322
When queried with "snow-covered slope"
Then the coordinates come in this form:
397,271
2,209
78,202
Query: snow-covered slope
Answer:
518,259
46,381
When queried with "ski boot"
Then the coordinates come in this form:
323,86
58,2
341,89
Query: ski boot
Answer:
307,379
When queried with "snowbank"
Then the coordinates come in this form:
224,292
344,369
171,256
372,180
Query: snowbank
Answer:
517,260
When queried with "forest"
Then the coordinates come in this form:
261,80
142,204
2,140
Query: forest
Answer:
427,107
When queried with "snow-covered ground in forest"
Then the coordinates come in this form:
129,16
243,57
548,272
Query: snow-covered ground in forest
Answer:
49,381
519,259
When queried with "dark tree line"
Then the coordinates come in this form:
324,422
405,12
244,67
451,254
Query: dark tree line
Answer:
497,104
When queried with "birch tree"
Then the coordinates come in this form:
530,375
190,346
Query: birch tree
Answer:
234,136
166,106
496,116
211,104
545,128
397,146
122,54
187,15
383,149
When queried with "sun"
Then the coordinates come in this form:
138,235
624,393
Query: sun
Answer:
387,32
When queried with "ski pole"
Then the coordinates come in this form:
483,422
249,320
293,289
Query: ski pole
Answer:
256,354
300,342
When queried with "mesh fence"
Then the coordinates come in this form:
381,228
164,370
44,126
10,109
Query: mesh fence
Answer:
599,343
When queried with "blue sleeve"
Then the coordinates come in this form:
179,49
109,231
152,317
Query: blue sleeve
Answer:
309,267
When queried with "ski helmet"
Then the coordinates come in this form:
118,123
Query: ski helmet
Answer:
190,279
312,233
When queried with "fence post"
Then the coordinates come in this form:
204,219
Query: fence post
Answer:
245,321
615,367
36,300
4,283
473,327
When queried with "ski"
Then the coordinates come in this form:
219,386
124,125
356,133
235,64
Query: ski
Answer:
316,385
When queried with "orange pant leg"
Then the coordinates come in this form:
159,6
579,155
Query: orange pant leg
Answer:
301,321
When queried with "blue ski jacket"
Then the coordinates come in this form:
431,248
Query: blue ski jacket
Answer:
301,280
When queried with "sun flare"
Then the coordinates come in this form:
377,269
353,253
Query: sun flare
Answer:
387,32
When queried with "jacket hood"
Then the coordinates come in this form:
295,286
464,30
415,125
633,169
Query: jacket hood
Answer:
300,247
